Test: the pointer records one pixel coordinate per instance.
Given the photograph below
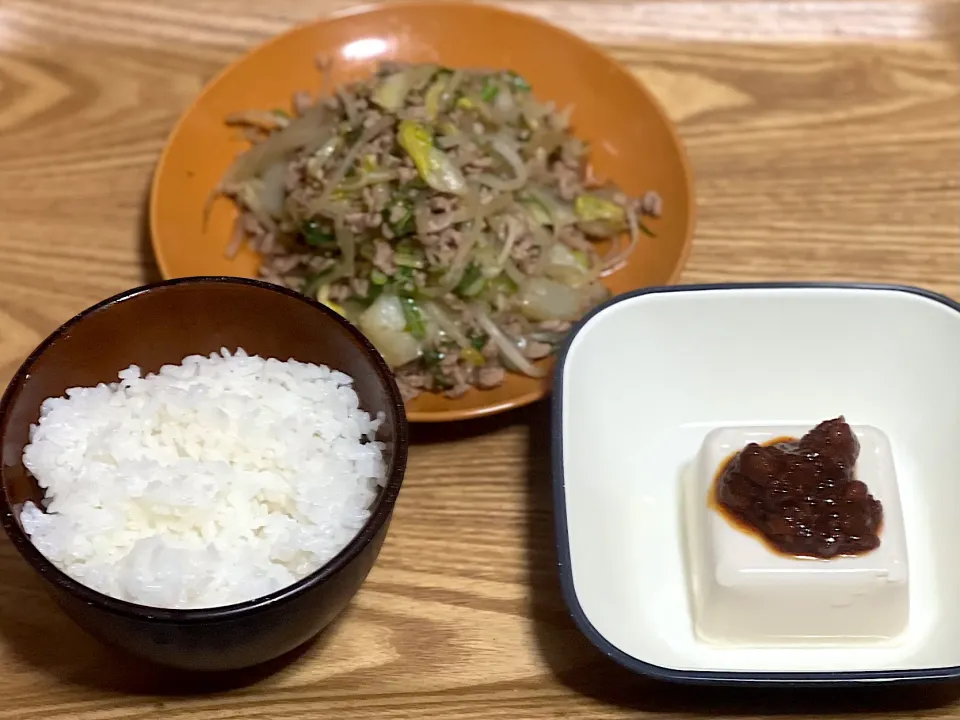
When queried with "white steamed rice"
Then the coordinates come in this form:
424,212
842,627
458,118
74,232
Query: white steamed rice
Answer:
211,482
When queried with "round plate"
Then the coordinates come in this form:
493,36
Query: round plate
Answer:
632,142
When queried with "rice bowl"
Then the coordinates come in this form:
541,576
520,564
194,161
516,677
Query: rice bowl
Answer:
209,483
159,325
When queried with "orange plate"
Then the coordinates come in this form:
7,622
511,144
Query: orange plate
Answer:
632,141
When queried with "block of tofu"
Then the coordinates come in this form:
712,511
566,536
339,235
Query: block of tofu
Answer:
746,593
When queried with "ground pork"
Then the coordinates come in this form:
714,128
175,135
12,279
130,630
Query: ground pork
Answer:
383,257
295,257
489,377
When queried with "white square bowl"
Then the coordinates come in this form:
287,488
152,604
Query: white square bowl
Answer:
644,379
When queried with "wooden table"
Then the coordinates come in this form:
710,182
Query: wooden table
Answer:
824,140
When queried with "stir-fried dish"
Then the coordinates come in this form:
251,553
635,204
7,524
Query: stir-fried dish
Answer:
447,213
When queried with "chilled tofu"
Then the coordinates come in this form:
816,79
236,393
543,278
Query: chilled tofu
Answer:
745,592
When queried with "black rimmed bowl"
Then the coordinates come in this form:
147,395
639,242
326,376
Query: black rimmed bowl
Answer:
641,384
160,324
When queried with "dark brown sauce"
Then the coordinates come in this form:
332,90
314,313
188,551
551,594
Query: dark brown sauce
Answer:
800,496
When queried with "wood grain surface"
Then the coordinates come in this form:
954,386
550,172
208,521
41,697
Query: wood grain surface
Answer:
824,140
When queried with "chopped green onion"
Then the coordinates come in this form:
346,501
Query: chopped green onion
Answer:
409,261
490,91
409,255
441,381
645,230
503,284
414,318
517,81
432,357
472,281
402,209
479,342
407,245
537,211
317,235
373,293
403,278
377,277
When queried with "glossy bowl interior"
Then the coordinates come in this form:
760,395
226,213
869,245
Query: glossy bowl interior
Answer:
642,383
633,142
161,324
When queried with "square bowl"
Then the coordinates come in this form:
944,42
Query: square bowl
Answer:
645,379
